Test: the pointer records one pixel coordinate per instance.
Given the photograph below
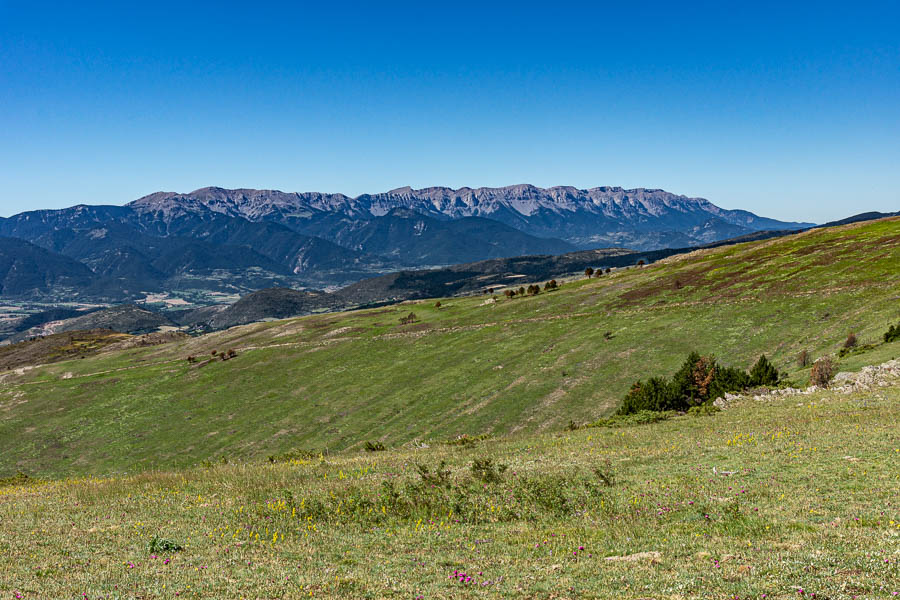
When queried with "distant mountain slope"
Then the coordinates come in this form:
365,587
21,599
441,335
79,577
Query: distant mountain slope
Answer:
274,303
28,270
415,239
587,218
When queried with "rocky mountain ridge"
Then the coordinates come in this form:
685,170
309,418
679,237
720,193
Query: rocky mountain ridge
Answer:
583,217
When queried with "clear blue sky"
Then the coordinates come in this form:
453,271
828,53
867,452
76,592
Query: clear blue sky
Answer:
788,109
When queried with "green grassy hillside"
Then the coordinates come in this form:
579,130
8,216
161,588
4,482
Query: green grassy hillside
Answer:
766,501
511,367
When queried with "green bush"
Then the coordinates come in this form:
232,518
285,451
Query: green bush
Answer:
892,334
158,544
641,417
763,373
699,381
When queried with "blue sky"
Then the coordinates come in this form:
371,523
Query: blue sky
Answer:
789,111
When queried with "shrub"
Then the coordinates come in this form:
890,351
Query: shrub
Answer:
640,263
851,341
698,381
521,291
158,544
550,285
728,379
703,410
655,395
375,446
439,477
605,475
763,373
642,417
410,318
822,372
588,272
892,334
803,359
485,470
437,304
608,270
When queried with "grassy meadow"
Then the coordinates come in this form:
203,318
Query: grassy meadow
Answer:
794,498
471,366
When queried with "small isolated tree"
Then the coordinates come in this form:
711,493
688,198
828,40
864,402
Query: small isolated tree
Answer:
803,359
437,304
522,291
892,334
589,271
851,341
608,270
641,263
822,372
598,272
550,285
763,373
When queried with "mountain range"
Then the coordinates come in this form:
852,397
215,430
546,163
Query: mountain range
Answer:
239,241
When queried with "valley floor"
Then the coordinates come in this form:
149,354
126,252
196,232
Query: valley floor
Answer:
794,497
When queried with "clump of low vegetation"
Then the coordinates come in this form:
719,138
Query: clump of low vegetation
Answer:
641,417
551,285
410,318
589,272
375,446
468,440
822,372
163,545
439,477
19,478
851,341
699,381
484,469
803,359
892,334
295,454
